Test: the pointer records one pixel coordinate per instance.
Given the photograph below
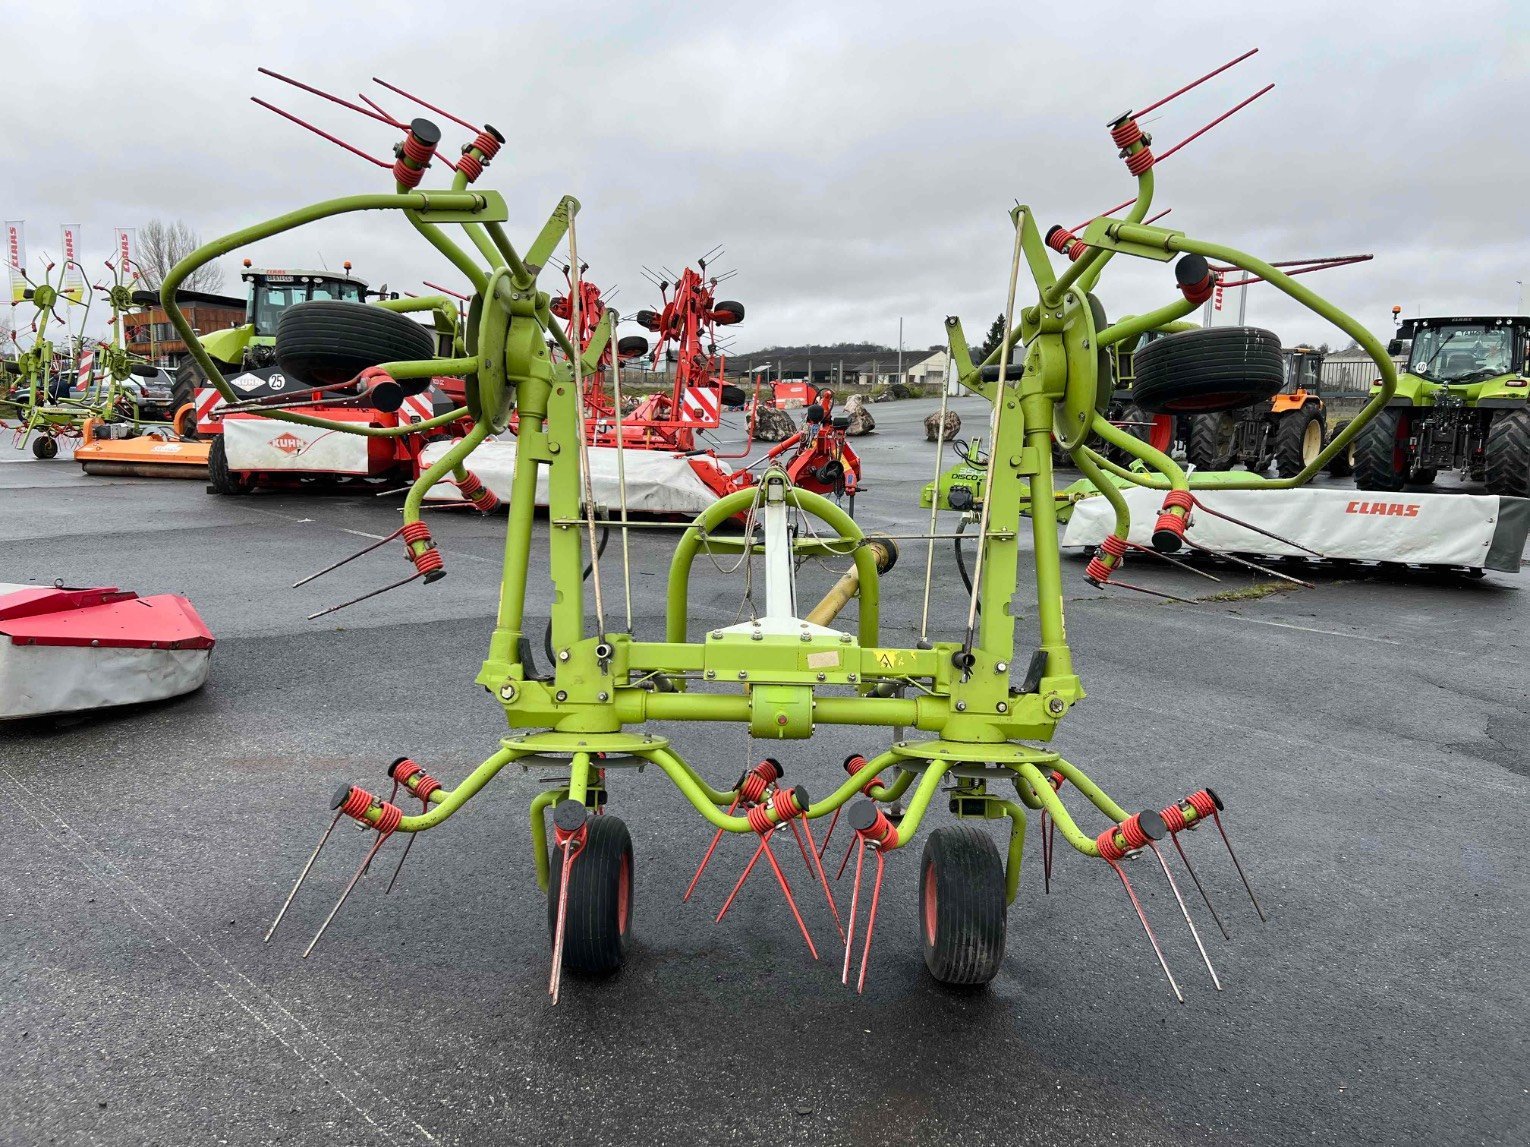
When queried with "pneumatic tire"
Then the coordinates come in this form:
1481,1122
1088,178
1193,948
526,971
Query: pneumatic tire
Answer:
1342,464
598,927
1381,454
1507,454
1208,370
962,906
1211,439
221,480
1298,440
327,342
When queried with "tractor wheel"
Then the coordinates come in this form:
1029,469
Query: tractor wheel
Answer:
1342,464
728,312
1211,441
1208,370
221,480
598,927
1381,452
962,906
1298,440
188,379
327,342
1508,454
44,446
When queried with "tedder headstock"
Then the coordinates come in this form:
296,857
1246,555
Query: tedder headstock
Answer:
966,708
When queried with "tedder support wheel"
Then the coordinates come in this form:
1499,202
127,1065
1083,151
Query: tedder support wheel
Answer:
1211,441
1507,454
1206,370
327,342
1298,440
1342,464
44,446
962,905
1381,452
599,916
220,480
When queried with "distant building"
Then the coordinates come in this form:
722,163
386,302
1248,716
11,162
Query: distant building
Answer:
150,335
1351,371
831,368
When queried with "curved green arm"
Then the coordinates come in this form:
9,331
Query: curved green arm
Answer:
416,200
737,503
1085,459
1307,298
455,799
1169,472
1052,804
1141,324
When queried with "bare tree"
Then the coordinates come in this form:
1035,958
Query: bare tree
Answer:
162,245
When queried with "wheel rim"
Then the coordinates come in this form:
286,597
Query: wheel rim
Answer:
624,895
929,905
1312,441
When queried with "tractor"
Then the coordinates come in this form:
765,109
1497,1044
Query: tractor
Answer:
1460,405
1288,430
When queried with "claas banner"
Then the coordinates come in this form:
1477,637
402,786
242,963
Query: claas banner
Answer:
16,258
73,287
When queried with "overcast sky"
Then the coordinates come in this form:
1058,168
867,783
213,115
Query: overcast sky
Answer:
856,161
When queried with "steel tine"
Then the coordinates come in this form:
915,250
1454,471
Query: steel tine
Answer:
359,553
363,597
555,980
706,859
1174,836
791,901
407,846
823,879
833,820
848,850
1172,561
801,846
871,922
302,876
1149,592
1146,927
1046,853
1250,888
855,899
339,904
743,876
1164,864
1252,565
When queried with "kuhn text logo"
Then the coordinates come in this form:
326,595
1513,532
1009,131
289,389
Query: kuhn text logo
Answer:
288,443
1384,509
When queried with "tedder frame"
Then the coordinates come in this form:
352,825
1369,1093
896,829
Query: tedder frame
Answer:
777,674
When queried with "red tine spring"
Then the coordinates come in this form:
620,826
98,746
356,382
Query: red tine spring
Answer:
872,830
1098,570
1139,161
751,788
473,489
1125,132
427,561
356,803
1174,820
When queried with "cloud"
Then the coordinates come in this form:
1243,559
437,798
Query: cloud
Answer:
856,161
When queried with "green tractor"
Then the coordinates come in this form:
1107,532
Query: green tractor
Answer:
247,353
1461,404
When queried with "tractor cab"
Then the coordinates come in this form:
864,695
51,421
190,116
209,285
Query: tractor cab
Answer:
272,291
1304,371
1464,351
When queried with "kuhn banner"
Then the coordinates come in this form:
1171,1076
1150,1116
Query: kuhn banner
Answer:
73,287
16,258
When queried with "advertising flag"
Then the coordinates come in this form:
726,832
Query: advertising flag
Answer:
16,258
74,277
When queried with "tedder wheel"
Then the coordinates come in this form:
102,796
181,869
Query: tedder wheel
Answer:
730,308
1381,452
1298,440
631,346
44,446
962,905
1206,370
327,342
599,921
220,479
1507,454
1211,441
1342,464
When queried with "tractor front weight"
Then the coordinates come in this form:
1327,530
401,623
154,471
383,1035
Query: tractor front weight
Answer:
960,712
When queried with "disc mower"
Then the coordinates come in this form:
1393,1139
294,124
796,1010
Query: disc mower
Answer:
964,708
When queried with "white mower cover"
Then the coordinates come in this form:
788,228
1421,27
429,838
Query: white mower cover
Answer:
658,482
265,445
1482,531
68,651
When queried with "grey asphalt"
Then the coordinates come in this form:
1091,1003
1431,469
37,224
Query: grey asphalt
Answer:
1368,735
